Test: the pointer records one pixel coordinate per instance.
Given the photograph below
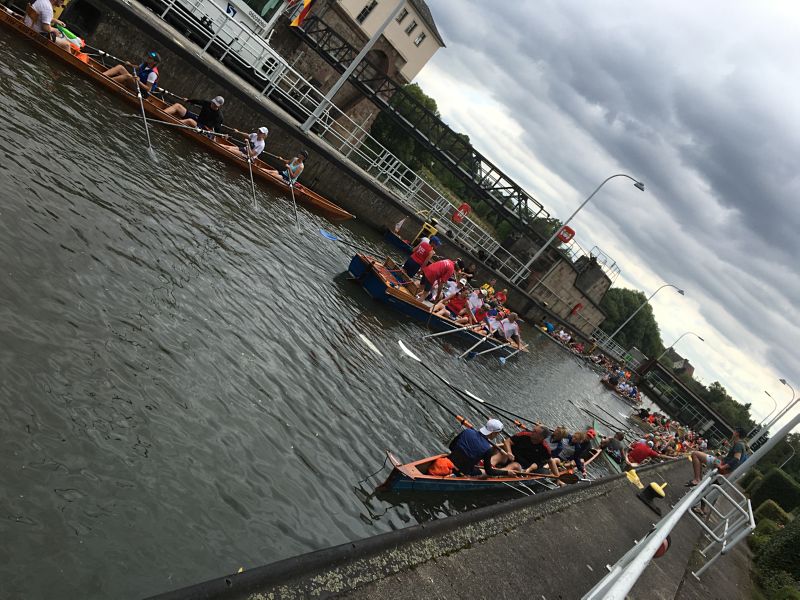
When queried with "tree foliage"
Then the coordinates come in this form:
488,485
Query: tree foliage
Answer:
642,331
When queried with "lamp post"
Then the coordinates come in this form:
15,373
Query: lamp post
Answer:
761,422
764,429
678,340
638,184
791,456
650,297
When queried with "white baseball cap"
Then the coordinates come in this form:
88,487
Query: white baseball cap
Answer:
425,240
462,281
492,426
219,101
263,130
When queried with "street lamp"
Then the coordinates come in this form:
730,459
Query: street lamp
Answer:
636,183
765,428
791,456
678,340
774,408
633,314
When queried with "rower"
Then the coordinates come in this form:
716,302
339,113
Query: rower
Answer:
294,167
578,445
615,447
471,446
438,273
527,451
421,256
501,296
509,330
257,141
209,118
489,287
454,307
146,74
39,17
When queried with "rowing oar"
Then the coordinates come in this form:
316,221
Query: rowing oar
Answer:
333,238
182,126
503,359
478,343
294,203
250,166
565,477
477,354
458,329
111,56
144,115
407,351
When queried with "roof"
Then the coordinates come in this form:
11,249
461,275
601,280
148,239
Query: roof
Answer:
421,8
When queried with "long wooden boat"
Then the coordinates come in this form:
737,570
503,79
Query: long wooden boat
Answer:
154,107
387,282
414,476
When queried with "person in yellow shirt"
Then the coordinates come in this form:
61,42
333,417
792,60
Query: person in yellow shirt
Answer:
489,287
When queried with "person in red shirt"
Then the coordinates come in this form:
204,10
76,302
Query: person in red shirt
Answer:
454,307
437,274
421,256
640,452
501,296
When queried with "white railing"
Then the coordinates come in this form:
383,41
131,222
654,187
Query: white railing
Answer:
250,52
731,528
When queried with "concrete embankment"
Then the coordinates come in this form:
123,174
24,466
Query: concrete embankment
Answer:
552,545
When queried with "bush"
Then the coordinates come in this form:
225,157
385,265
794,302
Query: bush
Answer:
771,510
766,527
757,542
789,592
778,562
777,485
753,484
749,477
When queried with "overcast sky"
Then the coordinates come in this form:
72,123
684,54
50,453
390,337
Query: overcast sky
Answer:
699,101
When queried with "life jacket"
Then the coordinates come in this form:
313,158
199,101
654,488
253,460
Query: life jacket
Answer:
441,467
143,71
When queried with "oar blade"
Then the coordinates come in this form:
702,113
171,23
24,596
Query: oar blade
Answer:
329,235
408,351
502,360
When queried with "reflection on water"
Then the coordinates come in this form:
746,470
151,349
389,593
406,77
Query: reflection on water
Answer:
184,390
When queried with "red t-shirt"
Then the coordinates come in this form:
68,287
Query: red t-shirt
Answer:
420,253
640,452
500,297
439,271
457,304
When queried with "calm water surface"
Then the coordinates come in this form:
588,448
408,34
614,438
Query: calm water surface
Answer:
183,388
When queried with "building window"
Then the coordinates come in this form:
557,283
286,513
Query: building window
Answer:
402,15
420,39
411,27
362,16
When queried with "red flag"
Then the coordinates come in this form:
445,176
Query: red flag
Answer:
301,16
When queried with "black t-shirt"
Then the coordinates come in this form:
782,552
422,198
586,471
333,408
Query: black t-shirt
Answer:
208,118
527,453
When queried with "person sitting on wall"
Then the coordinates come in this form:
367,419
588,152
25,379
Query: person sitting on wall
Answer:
735,456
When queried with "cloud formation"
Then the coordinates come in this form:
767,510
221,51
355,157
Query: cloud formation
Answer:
699,102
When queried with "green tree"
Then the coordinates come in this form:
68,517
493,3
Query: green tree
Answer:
642,331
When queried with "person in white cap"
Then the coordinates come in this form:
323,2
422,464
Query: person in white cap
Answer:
257,141
209,118
472,446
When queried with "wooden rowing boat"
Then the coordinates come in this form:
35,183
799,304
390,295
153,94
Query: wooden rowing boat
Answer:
387,282
391,238
414,476
154,107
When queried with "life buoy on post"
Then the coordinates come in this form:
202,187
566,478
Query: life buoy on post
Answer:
566,234
461,212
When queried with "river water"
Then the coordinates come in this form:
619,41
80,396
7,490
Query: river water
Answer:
183,385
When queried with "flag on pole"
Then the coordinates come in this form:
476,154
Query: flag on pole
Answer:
301,16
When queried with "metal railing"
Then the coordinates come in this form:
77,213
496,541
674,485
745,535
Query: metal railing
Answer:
732,528
237,46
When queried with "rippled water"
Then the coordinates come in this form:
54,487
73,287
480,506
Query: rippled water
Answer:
182,383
